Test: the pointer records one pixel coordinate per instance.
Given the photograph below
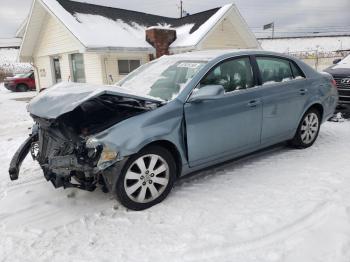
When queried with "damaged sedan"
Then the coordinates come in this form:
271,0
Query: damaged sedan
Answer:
173,116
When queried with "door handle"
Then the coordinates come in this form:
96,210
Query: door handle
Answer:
254,103
303,91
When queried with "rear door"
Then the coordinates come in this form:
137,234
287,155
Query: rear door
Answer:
229,124
284,97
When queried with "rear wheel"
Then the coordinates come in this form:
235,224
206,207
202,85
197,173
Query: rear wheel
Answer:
22,88
147,178
308,130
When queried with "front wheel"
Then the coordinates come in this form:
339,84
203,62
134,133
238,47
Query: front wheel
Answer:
147,178
308,130
22,88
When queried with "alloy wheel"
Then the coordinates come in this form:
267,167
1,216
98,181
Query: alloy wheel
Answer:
146,178
309,128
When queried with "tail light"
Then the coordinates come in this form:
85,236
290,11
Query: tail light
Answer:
334,83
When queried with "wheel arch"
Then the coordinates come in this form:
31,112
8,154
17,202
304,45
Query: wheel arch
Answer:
171,147
318,107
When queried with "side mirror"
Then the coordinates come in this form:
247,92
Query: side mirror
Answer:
336,61
209,92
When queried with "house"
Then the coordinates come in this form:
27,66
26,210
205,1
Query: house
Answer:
81,42
14,43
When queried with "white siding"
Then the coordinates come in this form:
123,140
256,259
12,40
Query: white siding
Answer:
231,32
43,66
55,39
110,64
93,68
223,36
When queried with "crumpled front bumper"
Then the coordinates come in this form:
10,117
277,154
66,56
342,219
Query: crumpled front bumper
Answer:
60,169
20,155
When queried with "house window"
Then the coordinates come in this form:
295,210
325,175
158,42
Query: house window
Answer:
127,66
57,69
78,70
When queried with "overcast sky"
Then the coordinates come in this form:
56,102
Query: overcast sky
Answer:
289,15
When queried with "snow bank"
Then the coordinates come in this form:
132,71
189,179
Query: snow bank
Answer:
277,205
310,44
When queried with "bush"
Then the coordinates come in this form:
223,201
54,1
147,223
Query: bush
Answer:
4,74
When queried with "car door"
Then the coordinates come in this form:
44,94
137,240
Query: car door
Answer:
284,96
229,124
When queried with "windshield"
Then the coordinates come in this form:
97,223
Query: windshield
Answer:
26,75
163,78
345,63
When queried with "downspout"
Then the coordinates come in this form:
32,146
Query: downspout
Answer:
37,86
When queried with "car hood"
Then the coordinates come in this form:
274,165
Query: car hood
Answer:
338,71
65,97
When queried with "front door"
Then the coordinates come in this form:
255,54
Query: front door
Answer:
227,125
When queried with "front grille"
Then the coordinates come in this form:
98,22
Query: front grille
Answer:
51,144
343,85
344,100
343,82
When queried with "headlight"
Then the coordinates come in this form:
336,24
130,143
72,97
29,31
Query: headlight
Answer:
108,158
96,149
92,142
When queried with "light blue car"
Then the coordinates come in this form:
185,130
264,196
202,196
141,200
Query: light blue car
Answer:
173,116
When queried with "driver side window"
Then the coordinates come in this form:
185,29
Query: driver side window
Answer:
233,75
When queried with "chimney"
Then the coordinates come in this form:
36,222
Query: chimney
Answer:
161,39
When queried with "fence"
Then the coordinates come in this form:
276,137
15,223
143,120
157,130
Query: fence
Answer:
319,60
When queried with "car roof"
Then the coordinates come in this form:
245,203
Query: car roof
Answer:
222,53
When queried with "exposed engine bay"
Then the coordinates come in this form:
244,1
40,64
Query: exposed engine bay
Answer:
64,148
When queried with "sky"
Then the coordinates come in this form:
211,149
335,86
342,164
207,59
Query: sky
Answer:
290,16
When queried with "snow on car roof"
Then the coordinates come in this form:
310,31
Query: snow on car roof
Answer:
213,53
93,24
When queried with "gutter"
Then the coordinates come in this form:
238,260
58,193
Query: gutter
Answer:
110,49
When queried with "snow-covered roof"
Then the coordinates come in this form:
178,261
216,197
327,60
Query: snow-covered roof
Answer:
98,26
10,42
306,44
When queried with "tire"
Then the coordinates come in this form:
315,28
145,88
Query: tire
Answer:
22,88
308,130
146,179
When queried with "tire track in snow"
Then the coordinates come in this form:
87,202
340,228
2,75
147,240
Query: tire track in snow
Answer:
316,216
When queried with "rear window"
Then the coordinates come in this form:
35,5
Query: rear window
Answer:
276,70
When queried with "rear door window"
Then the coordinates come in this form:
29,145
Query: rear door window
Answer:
297,73
276,70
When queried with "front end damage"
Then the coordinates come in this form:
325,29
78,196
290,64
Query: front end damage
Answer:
65,147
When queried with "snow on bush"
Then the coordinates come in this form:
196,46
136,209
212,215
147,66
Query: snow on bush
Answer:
9,64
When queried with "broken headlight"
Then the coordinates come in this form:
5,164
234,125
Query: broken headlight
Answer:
104,155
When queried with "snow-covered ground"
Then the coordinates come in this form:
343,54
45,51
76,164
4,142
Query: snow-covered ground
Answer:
277,205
